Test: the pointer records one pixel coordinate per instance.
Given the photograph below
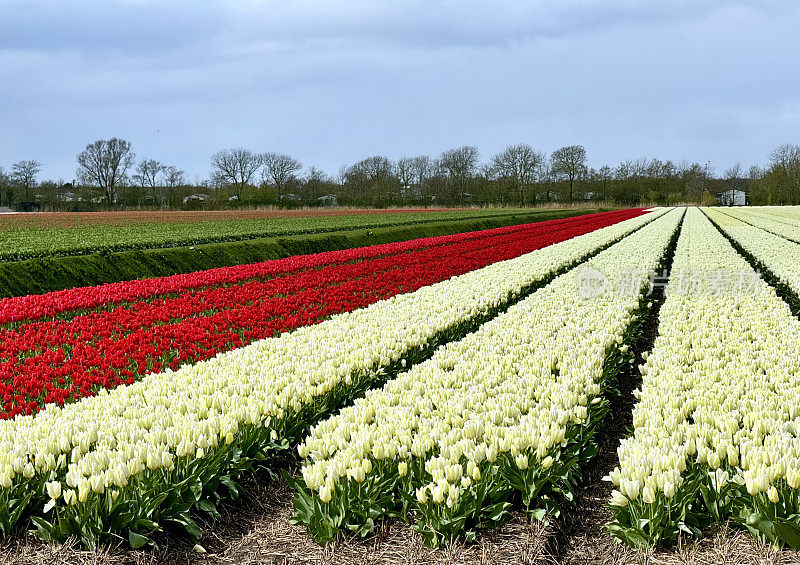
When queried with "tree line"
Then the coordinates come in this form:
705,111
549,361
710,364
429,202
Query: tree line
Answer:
109,176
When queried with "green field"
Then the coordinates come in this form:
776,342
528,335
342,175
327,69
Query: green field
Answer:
48,235
89,267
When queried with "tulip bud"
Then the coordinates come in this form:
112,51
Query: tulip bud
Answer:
53,489
648,495
325,494
438,494
70,497
772,494
618,499
83,489
98,484
476,473
793,479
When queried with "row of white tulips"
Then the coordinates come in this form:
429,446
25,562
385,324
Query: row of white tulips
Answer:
767,222
510,408
789,215
790,212
138,457
778,255
717,424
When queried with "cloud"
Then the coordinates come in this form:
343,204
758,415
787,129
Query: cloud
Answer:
146,27
332,82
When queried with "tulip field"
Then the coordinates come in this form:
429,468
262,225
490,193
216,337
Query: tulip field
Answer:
45,235
448,383
67,344
717,424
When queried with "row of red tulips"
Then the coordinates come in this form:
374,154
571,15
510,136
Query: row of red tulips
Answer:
58,360
34,307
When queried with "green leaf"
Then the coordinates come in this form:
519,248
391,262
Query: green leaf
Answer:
207,506
539,513
137,541
788,532
496,512
231,485
629,535
189,526
44,528
145,524
303,506
193,529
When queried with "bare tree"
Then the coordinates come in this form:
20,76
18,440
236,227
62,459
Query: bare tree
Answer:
147,172
23,174
279,169
786,157
783,176
460,166
6,187
404,171
520,164
104,163
734,175
545,179
734,182
569,163
373,177
605,174
173,178
316,182
424,167
235,167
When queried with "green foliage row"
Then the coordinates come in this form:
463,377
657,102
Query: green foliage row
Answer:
46,274
26,243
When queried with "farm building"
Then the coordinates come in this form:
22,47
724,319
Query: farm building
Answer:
732,198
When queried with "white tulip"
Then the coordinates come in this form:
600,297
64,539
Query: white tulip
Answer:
722,383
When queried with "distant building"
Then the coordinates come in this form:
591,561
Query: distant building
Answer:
291,197
732,197
195,198
328,200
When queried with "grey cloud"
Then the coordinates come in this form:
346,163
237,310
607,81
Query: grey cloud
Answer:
148,27
332,82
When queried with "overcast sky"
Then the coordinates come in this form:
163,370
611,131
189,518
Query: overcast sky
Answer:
334,81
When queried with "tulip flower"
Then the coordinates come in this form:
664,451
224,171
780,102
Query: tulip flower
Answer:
721,387
472,408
